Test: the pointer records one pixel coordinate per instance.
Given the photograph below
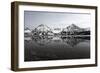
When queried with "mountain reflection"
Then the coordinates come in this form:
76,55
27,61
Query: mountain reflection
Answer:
42,41
70,41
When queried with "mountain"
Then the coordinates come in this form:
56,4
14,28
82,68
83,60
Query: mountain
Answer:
75,30
73,27
27,30
43,28
42,31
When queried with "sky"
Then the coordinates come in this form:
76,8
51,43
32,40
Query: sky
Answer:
56,19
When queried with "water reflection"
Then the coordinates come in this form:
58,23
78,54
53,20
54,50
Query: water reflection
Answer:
70,41
41,41
56,48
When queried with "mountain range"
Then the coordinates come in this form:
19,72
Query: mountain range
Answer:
70,28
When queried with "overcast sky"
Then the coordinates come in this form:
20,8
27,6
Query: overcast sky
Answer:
55,19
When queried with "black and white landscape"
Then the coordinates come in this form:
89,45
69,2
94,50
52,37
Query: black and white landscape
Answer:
56,35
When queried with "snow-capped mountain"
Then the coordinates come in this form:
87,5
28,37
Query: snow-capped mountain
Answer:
27,30
72,27
43,28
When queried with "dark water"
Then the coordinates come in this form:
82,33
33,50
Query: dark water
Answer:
56,48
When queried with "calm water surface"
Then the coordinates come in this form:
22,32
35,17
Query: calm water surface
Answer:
56,48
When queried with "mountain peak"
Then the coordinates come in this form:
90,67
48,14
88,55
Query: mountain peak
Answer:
73,26
43,27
